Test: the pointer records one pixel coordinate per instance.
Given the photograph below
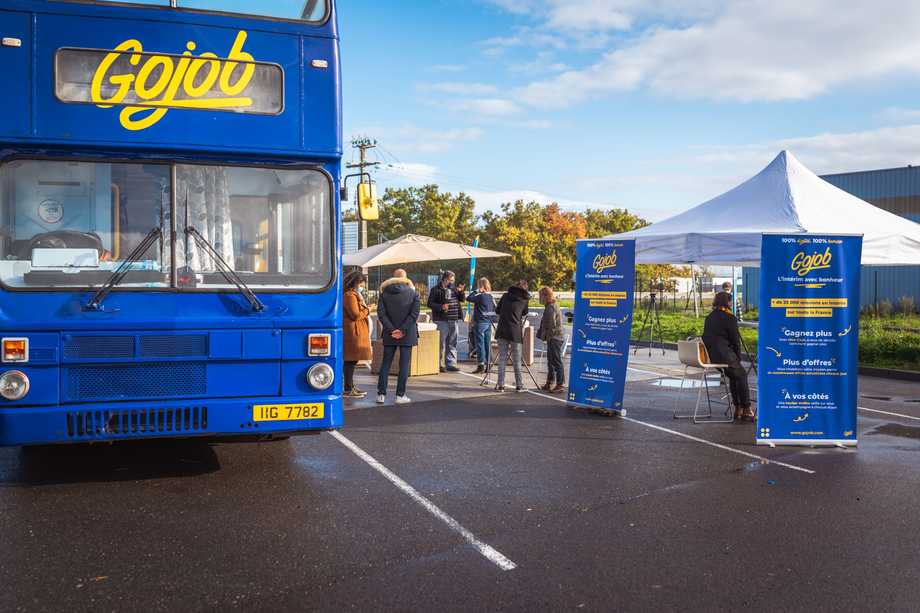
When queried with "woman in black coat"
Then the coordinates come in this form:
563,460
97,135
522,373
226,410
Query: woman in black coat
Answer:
512,307
723,344
397,310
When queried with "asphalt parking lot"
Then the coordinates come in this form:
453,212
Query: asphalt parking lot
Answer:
468,500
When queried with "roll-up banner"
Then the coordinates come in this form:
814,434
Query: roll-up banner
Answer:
604,283
808,345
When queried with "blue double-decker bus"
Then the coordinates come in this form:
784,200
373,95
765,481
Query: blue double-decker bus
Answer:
169,219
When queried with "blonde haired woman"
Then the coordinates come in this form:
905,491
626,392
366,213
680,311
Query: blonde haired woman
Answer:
483,316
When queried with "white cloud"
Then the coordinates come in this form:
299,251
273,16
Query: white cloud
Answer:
410,139
898,115
752,50
492,200
576,17
828,153
589,15
448,68
460,88
535,124
415,172
496,107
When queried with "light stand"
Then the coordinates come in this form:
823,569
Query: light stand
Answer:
650,326
493,361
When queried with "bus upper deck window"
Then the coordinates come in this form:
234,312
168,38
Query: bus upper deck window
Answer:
313,11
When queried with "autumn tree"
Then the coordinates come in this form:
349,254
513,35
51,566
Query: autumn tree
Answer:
427,211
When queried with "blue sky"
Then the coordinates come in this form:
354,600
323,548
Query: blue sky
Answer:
652,105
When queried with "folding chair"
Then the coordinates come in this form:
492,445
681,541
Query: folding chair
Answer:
692,354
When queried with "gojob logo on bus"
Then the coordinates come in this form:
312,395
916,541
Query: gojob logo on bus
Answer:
148,84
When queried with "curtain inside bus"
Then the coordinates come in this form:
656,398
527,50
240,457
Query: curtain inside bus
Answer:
203,194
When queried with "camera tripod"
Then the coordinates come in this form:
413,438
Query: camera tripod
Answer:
493,361
651,326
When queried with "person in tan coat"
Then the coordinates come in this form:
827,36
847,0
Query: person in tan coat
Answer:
356,337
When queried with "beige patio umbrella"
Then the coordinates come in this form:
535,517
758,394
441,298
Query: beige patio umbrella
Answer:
416,248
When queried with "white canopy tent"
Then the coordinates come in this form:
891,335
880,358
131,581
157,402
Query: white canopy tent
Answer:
785,197
416,248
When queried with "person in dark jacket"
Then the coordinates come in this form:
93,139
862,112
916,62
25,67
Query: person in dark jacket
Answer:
484,315
397,309
444,301
512,307
723,344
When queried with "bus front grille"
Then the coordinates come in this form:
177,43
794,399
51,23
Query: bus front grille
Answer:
134,381
96,347
174,346
136,422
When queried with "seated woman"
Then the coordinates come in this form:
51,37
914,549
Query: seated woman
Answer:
723,343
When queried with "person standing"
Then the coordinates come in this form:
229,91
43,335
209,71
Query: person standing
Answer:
484,316
397,309
723,344
512,307
444,301
552,332
356,331
735,302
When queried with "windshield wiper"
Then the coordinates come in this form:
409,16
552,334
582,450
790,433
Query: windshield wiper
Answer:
123,269
224,269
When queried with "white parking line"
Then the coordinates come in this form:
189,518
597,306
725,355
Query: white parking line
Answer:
686,436
671,373
649,372
889,413
695,438
486,550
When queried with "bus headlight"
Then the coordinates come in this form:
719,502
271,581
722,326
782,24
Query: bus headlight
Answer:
14,385
320,376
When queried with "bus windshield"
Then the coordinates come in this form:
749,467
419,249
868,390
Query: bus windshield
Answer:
70,224
313,11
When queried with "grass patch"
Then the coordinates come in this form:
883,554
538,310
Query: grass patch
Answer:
884,342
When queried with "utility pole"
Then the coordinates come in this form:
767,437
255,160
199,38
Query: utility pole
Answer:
362,144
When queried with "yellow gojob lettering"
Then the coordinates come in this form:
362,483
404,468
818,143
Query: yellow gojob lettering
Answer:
603,262
196,91
237,53
122,81
143,88
160,80
803,263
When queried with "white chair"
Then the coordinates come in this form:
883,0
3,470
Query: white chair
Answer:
693,355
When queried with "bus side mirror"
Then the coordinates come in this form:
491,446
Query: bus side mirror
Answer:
367,202
343,194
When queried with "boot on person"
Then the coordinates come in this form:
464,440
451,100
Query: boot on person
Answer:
548,386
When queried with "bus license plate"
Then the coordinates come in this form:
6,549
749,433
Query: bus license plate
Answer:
288,412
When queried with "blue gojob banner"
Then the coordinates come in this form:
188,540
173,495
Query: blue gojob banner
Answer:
604,281
808,346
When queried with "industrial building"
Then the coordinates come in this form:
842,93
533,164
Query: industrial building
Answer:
896,190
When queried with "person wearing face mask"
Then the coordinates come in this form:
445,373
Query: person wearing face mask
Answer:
444,301
356,331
